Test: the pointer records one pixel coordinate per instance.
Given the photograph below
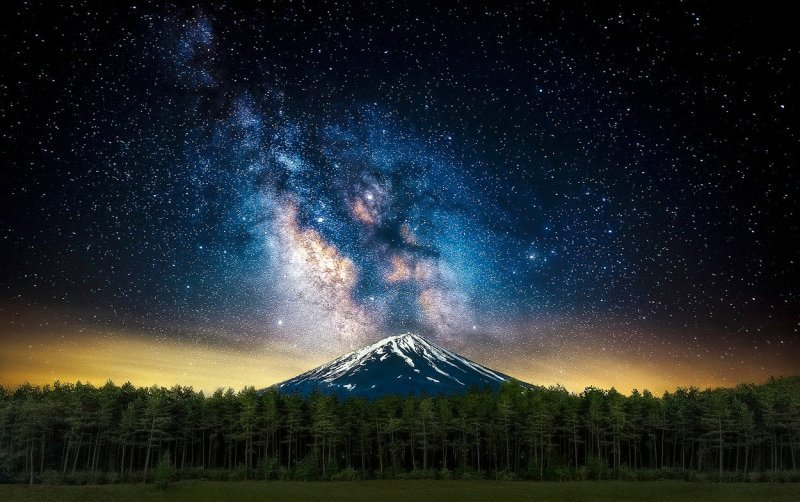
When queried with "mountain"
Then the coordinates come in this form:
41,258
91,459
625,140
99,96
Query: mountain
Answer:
399,364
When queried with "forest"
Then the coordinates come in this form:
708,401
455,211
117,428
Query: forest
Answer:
81,434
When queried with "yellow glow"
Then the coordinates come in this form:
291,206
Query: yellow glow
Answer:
98,357
41,347
604,372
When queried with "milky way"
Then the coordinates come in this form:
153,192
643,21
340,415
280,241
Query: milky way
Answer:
536,187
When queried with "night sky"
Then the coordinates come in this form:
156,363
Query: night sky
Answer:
585,194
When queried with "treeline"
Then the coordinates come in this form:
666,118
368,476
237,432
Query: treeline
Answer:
77,433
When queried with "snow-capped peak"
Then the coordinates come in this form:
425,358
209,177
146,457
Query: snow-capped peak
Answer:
405,363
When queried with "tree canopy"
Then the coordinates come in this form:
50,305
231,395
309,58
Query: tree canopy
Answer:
78,433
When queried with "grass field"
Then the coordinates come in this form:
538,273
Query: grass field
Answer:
385,491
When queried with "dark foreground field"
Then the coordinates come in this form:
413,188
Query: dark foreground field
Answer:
198,491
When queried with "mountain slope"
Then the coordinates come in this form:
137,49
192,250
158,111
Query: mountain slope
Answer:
399,364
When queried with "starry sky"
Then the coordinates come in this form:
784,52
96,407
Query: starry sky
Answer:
598,193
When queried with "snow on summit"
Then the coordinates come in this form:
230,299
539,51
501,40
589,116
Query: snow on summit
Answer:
400,364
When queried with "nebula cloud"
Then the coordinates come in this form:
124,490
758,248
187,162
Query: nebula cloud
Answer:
348,226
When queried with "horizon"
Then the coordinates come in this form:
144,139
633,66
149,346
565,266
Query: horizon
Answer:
209,388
